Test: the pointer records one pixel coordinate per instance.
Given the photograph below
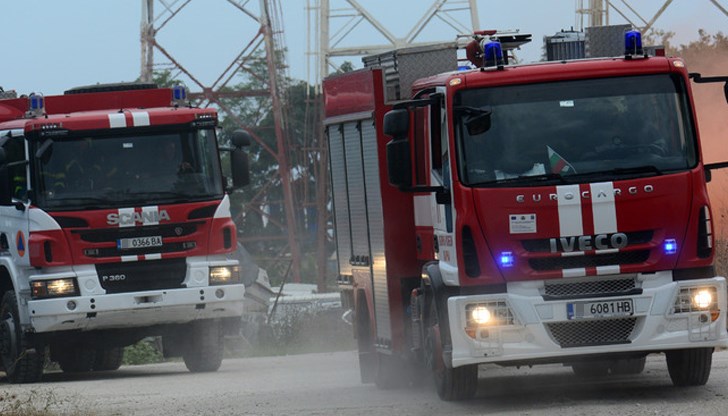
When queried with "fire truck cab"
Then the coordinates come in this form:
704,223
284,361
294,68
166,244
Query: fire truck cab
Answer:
115,225
518,215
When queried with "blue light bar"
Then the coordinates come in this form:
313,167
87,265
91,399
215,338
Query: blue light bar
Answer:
633,43
670,246
507,259
36,102
179,93
492,54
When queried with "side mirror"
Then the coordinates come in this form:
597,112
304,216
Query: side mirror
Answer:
399,165
6,195
478,123
396,123
241,138
240,168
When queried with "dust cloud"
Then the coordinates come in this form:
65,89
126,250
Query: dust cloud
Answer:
712,113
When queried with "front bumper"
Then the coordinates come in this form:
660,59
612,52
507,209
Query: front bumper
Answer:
137,309
542,331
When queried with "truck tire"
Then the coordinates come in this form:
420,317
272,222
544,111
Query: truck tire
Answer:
689,367
452,384
23,362
75,358
628,366
108,359
204,349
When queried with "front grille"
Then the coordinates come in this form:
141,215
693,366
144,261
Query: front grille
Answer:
142,275
106,235
105,240
577,262
591,333
591,287
543,245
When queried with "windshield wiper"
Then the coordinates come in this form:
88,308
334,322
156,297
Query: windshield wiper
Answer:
87,202
634,170
526,178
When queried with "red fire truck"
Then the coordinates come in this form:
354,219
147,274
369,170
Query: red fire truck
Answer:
544,213
115,225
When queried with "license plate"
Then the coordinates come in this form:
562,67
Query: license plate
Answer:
139,242
601,309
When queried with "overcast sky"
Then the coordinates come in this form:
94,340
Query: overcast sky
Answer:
50,46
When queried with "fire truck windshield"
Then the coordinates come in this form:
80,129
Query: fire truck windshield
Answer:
572,131
105,171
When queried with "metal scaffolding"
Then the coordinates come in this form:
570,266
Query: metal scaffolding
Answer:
597,13
266,40
325,44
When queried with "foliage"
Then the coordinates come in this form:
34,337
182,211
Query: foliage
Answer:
143,352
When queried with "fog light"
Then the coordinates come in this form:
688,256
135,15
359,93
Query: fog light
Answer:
71,305
220,293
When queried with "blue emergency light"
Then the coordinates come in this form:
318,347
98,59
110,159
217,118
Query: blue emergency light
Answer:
633,43
36,102
507,259
670,246
179,93
492,54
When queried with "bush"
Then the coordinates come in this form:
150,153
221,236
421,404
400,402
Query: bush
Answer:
145,351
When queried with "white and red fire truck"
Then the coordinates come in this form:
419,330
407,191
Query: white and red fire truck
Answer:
114,225
542,213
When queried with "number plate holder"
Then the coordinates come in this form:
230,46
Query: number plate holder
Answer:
600,309
139,242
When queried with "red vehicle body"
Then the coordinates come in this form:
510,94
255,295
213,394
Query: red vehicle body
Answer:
525,214
116,225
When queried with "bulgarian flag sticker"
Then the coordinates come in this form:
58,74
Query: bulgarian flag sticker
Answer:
558,163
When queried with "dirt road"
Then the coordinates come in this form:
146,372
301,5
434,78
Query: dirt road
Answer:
328,384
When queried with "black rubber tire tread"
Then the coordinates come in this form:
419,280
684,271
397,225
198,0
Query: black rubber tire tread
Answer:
108,359
628,366
689,367
76,359
591,369
452,384
205,347
28,367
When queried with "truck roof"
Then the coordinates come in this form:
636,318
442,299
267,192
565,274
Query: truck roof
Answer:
552,71
101,110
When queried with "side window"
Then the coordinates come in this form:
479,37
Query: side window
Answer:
17,167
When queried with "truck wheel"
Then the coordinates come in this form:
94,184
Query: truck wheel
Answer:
591,369
23,361
205,347
689,367
75,358
452,384
108,359
628,366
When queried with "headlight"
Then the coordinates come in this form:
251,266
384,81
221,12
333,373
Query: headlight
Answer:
480,315
224,275
696,299
53,288
703,299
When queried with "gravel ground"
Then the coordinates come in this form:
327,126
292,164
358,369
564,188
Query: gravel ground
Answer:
328,384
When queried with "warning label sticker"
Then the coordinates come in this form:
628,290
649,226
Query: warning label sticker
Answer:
522,223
